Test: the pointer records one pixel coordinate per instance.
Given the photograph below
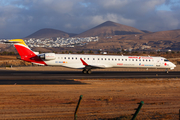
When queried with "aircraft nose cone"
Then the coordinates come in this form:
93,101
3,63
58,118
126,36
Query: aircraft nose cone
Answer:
172,66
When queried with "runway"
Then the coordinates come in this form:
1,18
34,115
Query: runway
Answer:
68,77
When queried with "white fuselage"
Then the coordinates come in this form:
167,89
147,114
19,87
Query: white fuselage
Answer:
107,61
88,62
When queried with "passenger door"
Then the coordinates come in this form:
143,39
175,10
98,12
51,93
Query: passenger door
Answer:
158,63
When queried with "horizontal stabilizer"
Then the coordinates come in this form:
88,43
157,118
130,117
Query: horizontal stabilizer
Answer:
11,42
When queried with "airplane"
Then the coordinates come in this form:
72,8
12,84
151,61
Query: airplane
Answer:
88,62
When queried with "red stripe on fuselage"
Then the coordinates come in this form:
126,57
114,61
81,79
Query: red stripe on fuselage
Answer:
28,55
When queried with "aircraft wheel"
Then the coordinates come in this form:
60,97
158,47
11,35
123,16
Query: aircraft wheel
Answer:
84,71
89,71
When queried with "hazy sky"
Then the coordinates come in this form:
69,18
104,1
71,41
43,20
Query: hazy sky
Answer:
20,18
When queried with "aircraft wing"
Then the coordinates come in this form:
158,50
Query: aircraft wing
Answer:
93,66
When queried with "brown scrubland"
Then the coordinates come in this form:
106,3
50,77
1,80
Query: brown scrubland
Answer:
102,99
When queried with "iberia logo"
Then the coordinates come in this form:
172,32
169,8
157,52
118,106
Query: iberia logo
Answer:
141,64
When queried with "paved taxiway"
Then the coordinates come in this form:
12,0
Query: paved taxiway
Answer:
68,77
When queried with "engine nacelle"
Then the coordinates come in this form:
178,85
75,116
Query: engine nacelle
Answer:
47,56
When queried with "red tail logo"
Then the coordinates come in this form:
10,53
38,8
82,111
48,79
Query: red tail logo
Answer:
25,52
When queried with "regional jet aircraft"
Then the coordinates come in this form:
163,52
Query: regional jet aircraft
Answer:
88,62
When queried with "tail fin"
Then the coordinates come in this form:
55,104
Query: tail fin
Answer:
25,52
21,47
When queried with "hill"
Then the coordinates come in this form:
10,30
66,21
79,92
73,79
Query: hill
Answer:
114,37
152,41
163,35
49,33
110,28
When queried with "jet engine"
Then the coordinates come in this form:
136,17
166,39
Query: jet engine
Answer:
47,56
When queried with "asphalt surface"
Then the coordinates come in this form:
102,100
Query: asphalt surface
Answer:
68,77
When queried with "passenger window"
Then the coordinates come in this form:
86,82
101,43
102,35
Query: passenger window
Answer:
149,60
76,58
88,58
132,59
118,59
101,58
72,58
143,59
146,60
93,58
139,59
112,59
108,58
64,57
136,59
105,59
122,59
126,59
84,58
68,57
98,58
129,59
115,59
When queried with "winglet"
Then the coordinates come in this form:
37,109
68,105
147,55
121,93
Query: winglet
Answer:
84,63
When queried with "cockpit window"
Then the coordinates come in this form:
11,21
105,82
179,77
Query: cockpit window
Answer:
166,60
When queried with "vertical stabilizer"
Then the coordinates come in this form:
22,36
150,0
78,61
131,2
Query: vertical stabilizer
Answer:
21,47
25,52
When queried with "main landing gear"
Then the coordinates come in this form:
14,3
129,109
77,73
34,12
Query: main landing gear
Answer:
86,71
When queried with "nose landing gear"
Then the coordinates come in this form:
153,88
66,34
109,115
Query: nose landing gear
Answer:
166,71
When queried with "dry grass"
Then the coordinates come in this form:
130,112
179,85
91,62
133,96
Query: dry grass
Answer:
8,57
101,99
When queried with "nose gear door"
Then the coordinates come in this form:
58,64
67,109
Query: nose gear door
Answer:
158,63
